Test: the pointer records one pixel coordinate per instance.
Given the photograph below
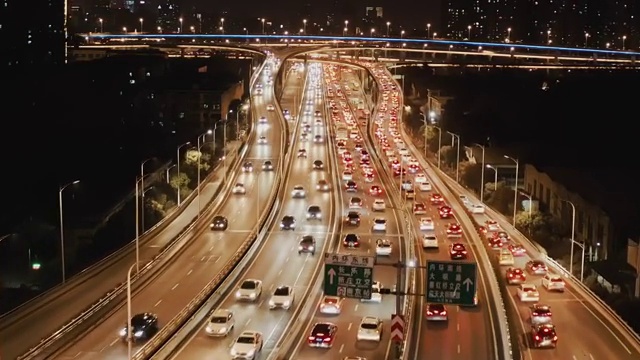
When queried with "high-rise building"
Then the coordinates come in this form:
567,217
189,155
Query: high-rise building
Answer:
458,16
32,33
169,16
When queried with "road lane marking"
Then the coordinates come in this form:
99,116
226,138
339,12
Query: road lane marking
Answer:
211,248
286,260
114,341
175,286
217,259
189,273
260,303
606,327
247,323
280,272
349,327
202,259
356,307
78,354
158,303
458,348
341,348
458,326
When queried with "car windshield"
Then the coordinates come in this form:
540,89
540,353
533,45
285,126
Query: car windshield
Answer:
139,320
287,219
380,221
351,237
436,307
355,200
369,326
314,209
384,244
321,329
353,215
219,320
281,291
248,285
307,239
245,340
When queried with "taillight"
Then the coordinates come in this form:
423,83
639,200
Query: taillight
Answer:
443,313
537,338
311,338
327,339
429,313
555,338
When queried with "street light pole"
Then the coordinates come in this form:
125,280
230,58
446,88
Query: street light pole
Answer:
203,137
515,189
129,328
482,174
439,143
178,166
573,237
138,191
62,255
168,169
457,137
142,208
495,178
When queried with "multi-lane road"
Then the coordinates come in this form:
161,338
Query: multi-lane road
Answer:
204,254
278,261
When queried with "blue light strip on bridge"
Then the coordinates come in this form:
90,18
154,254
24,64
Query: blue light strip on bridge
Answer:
356,38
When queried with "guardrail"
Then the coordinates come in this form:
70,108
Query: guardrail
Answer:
170,337
100,307
533,247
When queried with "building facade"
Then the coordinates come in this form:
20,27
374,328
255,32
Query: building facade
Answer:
593,226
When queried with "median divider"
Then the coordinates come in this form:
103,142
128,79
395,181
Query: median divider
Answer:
78,325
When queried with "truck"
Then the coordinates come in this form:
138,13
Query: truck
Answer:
342,132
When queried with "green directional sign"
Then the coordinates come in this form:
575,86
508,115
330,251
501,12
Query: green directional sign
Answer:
451,282
349,276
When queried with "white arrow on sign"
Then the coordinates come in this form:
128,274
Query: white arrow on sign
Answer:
467,282
397,335
332,273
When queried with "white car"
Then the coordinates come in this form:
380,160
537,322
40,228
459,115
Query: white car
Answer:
429,241
376,296
270,107
247,345
420,178
262,140
262,120
283,297
378,205
383,247
370,329
379,224
318,139
424,186
355,203
505,258
427,224
221,323
476,208
298,192
239,189
347,175
492,225
528,293
323,185
553,282
250,289
331,305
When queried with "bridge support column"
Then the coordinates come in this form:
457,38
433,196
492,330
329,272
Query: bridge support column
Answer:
337,54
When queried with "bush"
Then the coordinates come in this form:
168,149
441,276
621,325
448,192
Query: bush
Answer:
471,175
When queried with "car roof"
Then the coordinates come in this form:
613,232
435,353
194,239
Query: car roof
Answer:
222,313
436,306
249,333
370,320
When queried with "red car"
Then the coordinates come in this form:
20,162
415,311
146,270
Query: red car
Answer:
445,212
436,199
375,190
457,251
454,230
517,250
516,276
398,172
495,243
544,335
322,335
419,208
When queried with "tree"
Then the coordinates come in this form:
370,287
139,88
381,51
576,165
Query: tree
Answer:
501,199
542,227
471,175
448,155
180,181
433,137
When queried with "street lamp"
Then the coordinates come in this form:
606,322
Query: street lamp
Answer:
508,35
101,25
549,36
262,26
344,32
439,143
141,24
137,209
346,27
373,32
64,271
203,137
178,166
168,169
457,137
388,26
573,240
143,206
428,30
129,327
124,29
222,25
401,34
181,21
482,173
469,32
304,26
624,39
586,39
515,188
495,180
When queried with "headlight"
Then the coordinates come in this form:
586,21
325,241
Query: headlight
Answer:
138,333
123,332
238,294
300,247
222,330
233,352
252,295
287,303
311,248
208,329
250,353
271,303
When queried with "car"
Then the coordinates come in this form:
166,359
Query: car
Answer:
477,208
283,297
429,241
239,189
445,212
436,199
368,176
220,323
262,140
492,225
553,282
219,222
427,224
270,107
454,230
287,114
495,243
314,212
351,186
370,329
375,190
379,224
544,335
436,312
288,222
317,113
307,244
323,185
143,327
247,167
298,192
267,165
457,251
376,295
537,267
250,289
424,186
302,153
331,305
399,172
378,205
528,292
351,241
420,178
262,120
540,314
515,276
383,247
355,203
406,185
247,345
352,218
517,250
318,139
347,175
322,335
304,136
503,236
258,91
505,258
465,200
419,208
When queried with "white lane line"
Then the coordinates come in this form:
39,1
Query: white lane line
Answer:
341,348
286,260
175,286
349,327
356,307
189,273
158,303
607,327
78,354
218,259
114,342
247,323
574,357
591,356
458,326
458,348
202,259
279,272
211,248
260,303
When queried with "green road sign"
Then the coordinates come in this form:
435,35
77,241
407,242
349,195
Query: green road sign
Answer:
348,276
451,282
